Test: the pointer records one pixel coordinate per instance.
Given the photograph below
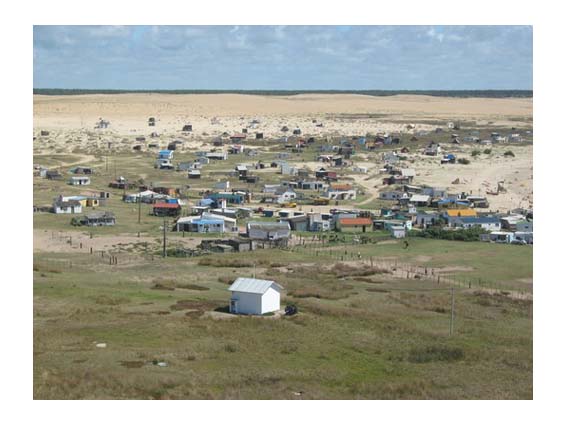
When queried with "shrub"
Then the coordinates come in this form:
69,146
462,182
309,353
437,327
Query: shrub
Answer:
467,235
192,286
487,151
463,161
475,152
230,348
435,354
509,153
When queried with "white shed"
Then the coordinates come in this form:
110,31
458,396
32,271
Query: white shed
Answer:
254,296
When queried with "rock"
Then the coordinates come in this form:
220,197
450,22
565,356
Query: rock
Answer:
101,345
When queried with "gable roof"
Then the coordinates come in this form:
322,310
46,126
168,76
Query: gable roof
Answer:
252,286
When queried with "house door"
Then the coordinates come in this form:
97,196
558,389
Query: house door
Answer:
233,306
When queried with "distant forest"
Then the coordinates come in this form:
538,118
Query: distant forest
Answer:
442,93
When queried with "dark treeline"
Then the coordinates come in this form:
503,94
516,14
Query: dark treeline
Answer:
442,93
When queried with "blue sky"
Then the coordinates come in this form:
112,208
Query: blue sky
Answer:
283,57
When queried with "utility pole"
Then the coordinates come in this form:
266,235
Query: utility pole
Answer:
164,251
452,310
139,208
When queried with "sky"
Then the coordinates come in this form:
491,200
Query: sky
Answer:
283,57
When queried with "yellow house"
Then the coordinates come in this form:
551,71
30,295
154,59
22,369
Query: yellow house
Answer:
462,212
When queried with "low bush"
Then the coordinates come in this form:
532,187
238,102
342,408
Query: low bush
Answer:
509,153
466,235
475,152
463,161
435,354
487,151
225,262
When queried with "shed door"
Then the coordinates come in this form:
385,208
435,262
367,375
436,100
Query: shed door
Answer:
233,306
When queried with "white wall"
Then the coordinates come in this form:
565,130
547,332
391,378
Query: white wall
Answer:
248,303
270,300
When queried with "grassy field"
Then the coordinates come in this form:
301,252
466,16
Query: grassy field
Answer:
360,332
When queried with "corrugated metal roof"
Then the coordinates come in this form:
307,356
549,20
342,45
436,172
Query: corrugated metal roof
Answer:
252,286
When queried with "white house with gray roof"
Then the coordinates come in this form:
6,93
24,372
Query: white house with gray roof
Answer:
254,296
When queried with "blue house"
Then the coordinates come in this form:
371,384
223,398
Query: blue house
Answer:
165,154
231,198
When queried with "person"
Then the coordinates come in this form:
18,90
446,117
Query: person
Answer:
406,244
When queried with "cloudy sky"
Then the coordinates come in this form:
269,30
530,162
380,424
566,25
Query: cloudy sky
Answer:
283,57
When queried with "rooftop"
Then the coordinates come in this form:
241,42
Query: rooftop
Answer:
360,221
467,212
252,286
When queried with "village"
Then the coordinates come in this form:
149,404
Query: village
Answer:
280,228
273,189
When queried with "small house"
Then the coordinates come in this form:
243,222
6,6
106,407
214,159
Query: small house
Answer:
420,200
268,231
217,156
486,223
358,224
393,195
341,192
254,296
194,174
166,209
79,180
398,232
427,218
452,216
165,154
67,207
432,149
97,218
53,175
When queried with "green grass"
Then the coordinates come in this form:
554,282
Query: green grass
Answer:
346,342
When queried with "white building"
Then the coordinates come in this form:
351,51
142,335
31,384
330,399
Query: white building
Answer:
398,232
67,207
80,181
254,296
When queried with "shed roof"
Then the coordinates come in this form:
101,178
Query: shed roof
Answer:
252,286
